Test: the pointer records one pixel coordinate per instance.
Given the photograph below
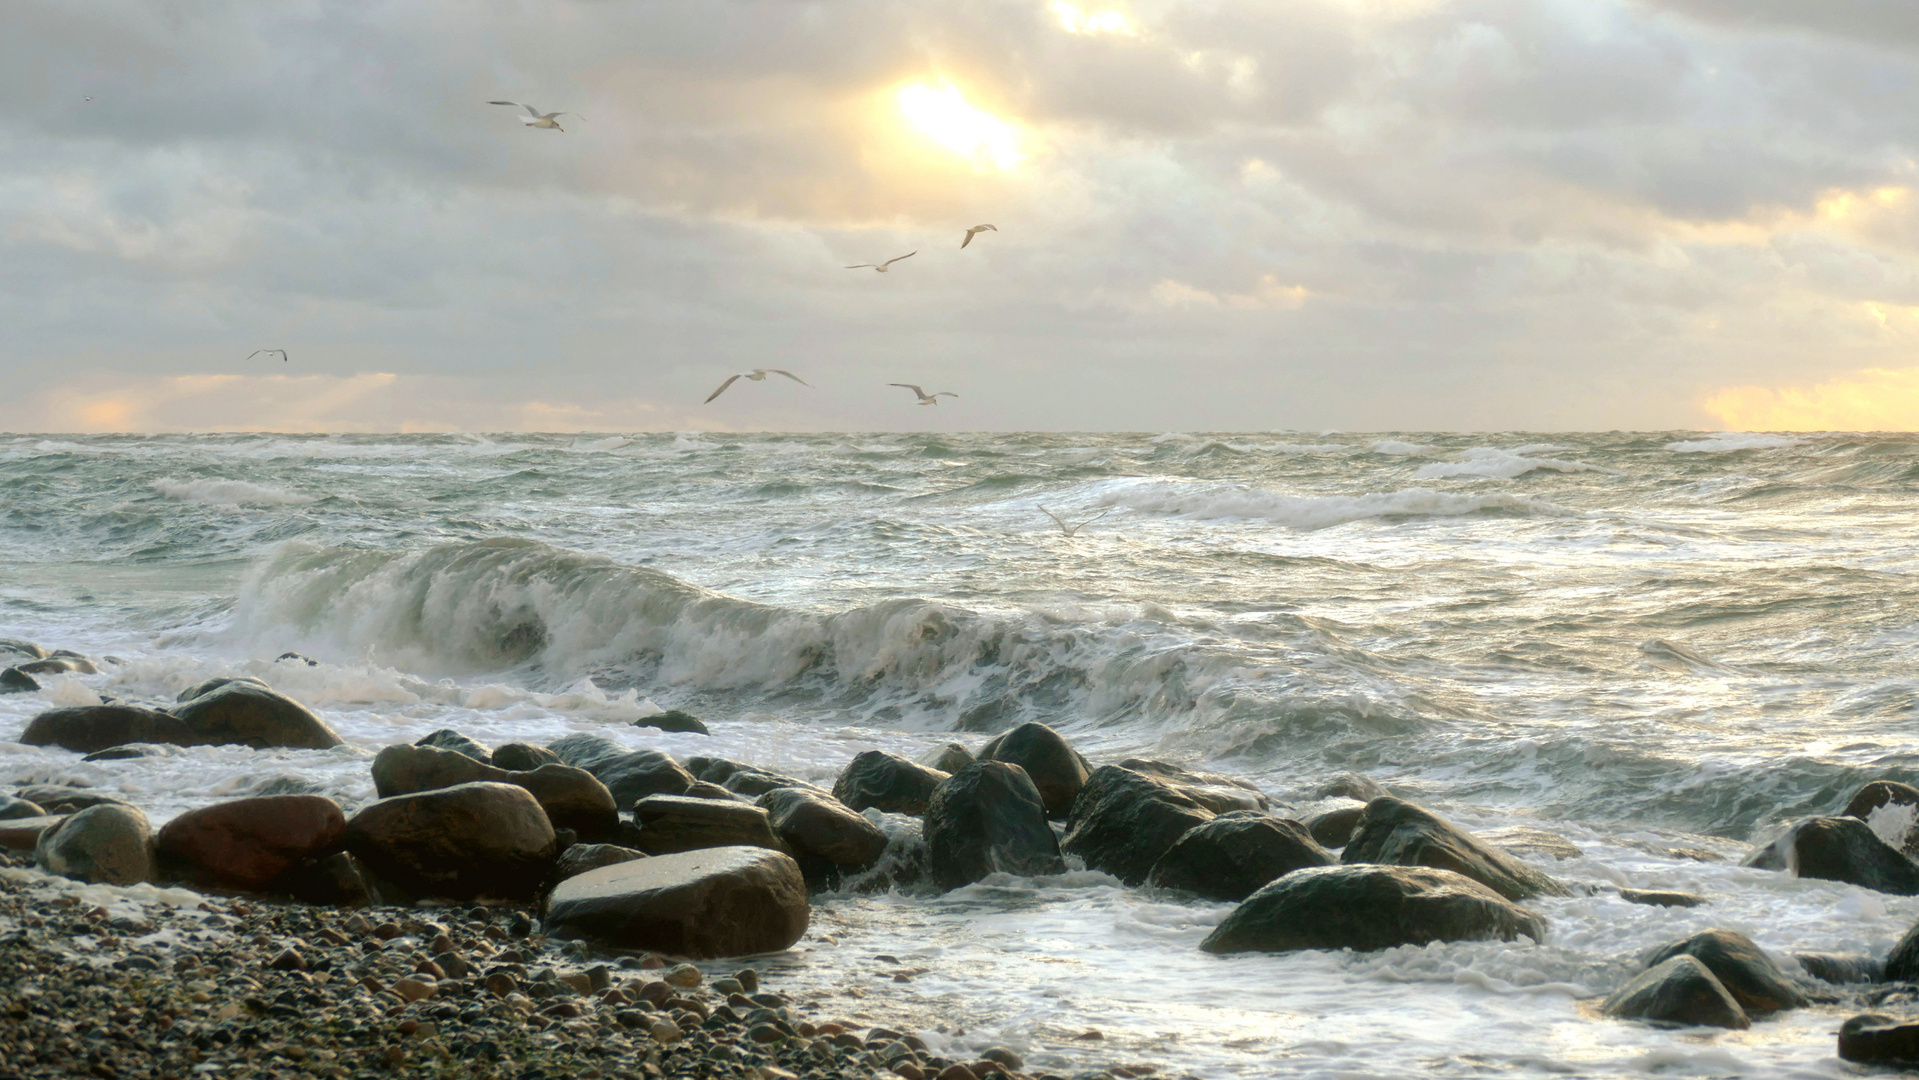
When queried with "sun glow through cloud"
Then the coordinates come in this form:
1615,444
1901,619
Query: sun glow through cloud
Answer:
950,120
1076,20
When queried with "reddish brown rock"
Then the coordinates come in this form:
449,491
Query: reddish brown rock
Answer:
247,843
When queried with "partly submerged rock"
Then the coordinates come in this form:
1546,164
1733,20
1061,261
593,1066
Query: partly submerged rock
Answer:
673,720
86,729
1057,770
110,844
1217,792
1753,979
1892,809
15,681
1841,968
1234,855
1124,821
729,901
132,751
631,775
458,843
13,809
522,757
449,739
59,799
988,818
201,688
826,837
1874,1039
875,778
1372,907
1333,826
948,758
1839,849
1397,833
248,715
1680,990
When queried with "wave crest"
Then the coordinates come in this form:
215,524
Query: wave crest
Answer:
228,493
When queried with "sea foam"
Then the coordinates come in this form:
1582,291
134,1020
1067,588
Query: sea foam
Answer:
228,493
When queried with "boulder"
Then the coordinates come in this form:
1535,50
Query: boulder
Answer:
703,790
1366,908
87,728
1840,849
329,880
581,858
1681,990
1058,771
449,739
1397,833
948,758
59,799
458,843
673,720
210,685
988,818
631,775
23,834
750,781
247,843
1661,898
1334,827
1902,964
12,808
11,647
729,901
108,844
1215,791
1841,968
522,757
1233,855
248,715
15,681
887,781
1747,973
1891,806
1355,786
673,823
132,751
1873,1039
571,797
826,837
1124,821
57,665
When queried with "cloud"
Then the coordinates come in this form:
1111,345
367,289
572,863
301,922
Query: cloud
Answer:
1872,400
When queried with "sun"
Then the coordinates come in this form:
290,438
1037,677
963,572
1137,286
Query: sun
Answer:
950,120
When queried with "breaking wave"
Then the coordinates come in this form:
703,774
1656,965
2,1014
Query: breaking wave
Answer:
1209,501
228,493
1732,440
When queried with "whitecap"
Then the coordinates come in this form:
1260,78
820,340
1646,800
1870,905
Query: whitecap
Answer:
1205,502
227,493
1488,461
1729,441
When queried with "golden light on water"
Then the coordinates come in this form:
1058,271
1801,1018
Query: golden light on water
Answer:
945,116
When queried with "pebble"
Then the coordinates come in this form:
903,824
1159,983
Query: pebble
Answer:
414,989
685,976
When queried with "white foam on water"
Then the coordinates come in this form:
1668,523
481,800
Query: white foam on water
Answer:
1210,501
1401,448
1489,461
228,493
1732,441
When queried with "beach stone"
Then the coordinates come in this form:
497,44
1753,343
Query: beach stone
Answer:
1334,828
1397,833
449,739
1057,770
1661,898
672,823
1896,805
825,836
330,881
1124,821
15,681
1874,1039
948,758
1372,907
581,858
729,901
87,728
523,757
1753,979
23,834
11,808
1680,990
1217,792
247,843
59,799
109,844
17,647
59,664
1841,968
631,775
673,720
1839,849
572,798
248,715
889,782
1233,855
200,688
459,843
135,751
988,818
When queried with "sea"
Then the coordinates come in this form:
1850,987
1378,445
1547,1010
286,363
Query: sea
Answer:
1655,648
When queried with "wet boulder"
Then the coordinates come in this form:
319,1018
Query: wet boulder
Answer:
948,758
674,823
631,775
826,837
1397,833
15,681
1334,826
1902,964
23,834
248,715
248,843
749,781
1840,849
1366,908
673,720
59,799
1841,968
581,858
134,751
1874,1039
988,818
12,808
88,728
1215,791
523,757
572,798
1057,770
889,782
449,739
1661,898
15,648
1754,980
210,685
108,844
457,843
1124,821
729,901
1892,809
1234,855
1679,990
1356,786
60,663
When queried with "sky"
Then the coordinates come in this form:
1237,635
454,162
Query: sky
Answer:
1361,215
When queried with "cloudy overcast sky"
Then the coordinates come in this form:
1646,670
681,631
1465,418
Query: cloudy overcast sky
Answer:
1227,215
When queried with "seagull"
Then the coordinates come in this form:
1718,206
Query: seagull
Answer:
538,119
1072,530
87,99
757,375
881,267
269,352
925,398
976,230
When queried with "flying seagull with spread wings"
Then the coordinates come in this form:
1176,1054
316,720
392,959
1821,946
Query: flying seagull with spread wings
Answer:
881,267
756,375
538,119
269,352
975,231
1072,530
925,398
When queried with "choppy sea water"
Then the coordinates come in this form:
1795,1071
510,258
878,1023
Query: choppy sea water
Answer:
1645,644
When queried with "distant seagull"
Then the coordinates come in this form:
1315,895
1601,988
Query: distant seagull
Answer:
757,375
881,267
538,119
1072,530
269,352
975,231
86,99
925,398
